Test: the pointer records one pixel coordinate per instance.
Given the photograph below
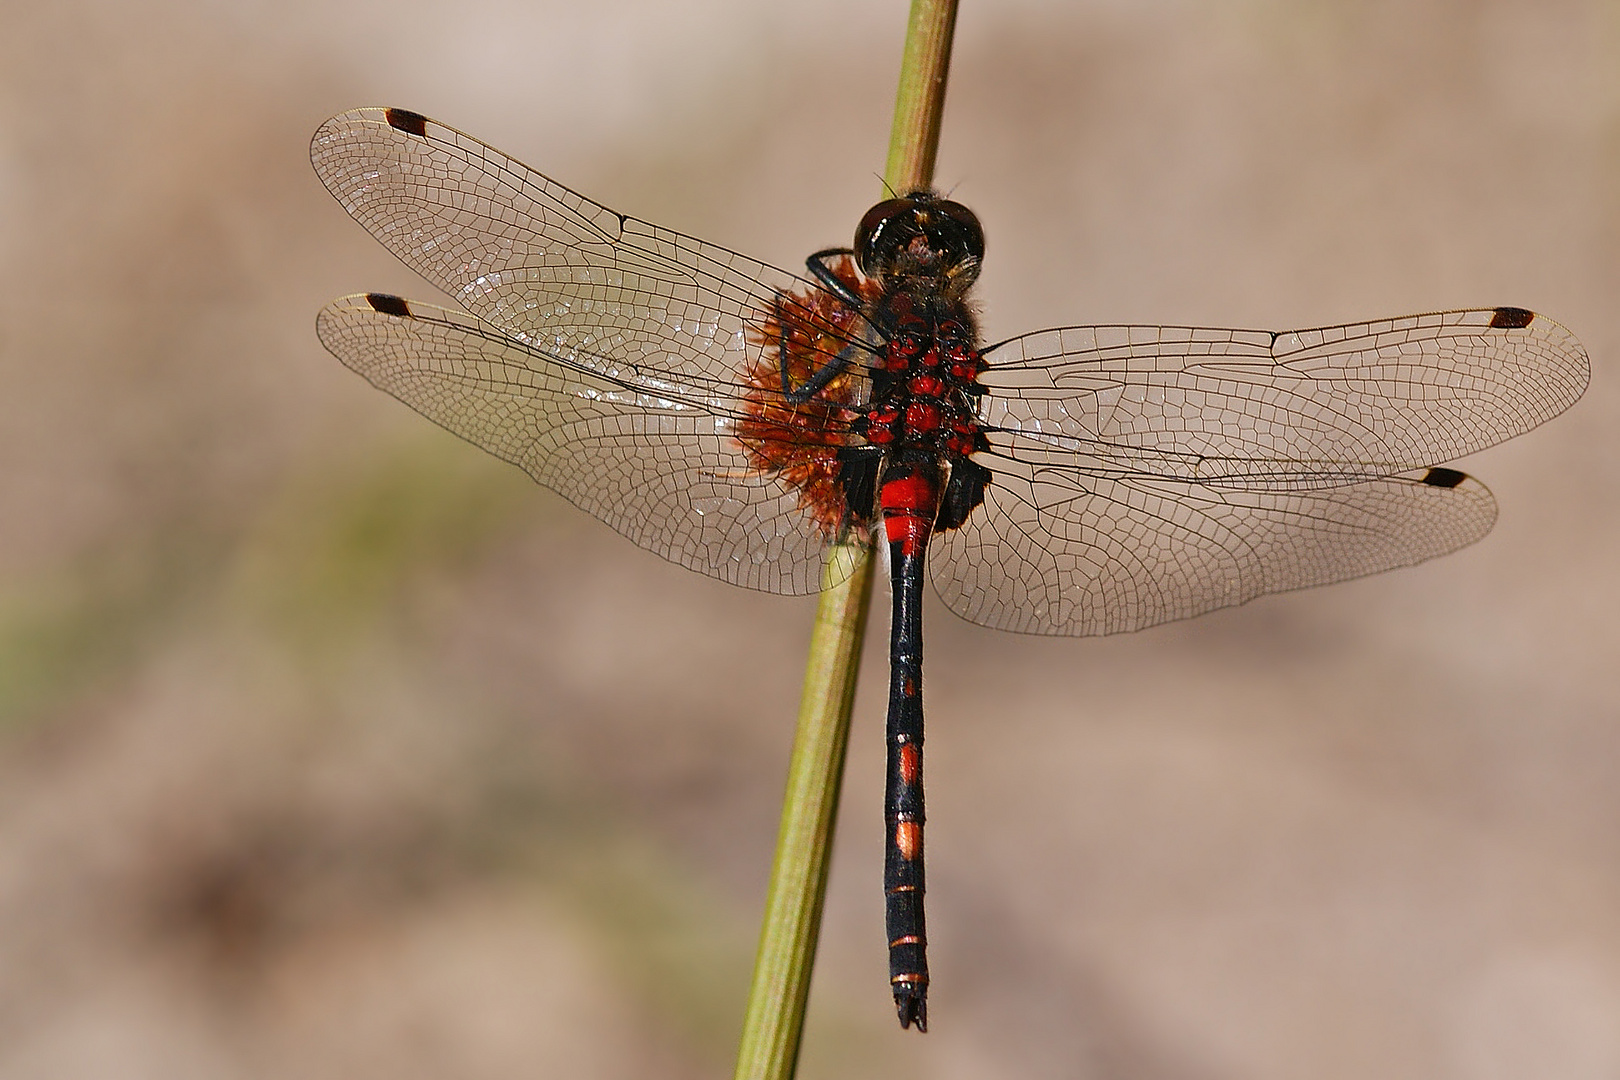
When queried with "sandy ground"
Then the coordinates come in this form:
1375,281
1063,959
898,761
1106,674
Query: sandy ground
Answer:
331,748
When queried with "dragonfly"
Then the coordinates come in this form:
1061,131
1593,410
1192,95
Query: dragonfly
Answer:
756,425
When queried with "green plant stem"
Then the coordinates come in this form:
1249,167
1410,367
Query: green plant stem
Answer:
914,139
774,1021
787,942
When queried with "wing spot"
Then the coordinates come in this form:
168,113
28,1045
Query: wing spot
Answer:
410,123
1511,318
389,305
1444,478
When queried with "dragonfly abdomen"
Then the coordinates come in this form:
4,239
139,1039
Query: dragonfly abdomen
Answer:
910,497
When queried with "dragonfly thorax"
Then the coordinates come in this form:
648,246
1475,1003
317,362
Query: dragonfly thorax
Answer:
925,397
925,391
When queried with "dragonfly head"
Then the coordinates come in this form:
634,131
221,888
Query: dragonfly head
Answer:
923,238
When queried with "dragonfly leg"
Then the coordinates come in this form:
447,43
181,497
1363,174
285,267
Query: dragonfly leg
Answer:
818,266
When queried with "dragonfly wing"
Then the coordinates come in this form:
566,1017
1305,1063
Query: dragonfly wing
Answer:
1063,550
1356,401
542,263
1146,473
660,466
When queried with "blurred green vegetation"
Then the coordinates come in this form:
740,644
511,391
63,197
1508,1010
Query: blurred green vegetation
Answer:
340,550
63,632
334,555
327,572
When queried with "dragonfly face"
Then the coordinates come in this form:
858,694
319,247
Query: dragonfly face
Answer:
739,419
921,243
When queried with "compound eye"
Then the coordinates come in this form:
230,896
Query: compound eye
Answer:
875,217
967,232
884,229
958,213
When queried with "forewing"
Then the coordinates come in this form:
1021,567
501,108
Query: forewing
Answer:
1252,407
1144,474
543,264
662,467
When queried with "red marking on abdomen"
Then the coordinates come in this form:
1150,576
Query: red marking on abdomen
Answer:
909,503
910,531
908,839
912,491
910,762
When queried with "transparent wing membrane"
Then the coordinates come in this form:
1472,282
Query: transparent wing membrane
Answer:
1149,473
1365,399
1138,473
1064,551
663,470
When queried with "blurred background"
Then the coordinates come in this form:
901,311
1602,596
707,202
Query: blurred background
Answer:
330,747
